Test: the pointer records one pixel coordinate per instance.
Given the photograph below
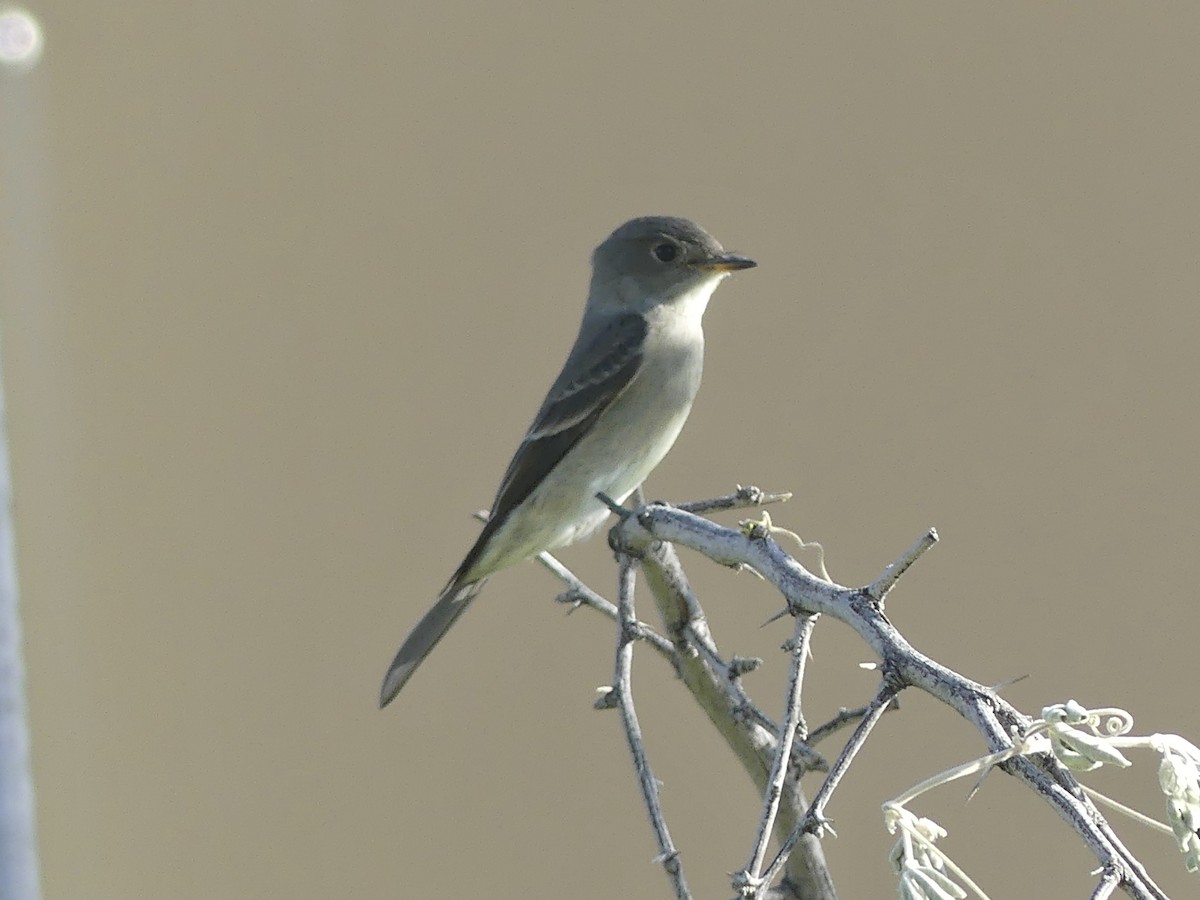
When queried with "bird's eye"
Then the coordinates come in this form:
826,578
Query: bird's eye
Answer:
666,252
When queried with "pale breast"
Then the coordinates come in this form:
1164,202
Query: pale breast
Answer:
627,441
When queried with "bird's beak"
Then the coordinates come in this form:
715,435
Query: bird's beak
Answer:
727,263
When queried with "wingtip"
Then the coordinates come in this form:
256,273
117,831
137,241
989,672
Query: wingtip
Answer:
388,692
393,681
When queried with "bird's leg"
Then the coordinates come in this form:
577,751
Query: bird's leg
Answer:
616,540
622,512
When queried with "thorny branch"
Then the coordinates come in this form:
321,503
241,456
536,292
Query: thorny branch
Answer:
776,756
750,878
621,696
903,666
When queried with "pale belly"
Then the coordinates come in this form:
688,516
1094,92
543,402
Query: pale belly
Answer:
624,446
631,460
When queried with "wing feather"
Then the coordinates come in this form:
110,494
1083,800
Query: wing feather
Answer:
595,374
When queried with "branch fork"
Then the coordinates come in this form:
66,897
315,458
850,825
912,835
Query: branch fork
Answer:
776,755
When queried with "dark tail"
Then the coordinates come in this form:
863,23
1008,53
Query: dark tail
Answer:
425,634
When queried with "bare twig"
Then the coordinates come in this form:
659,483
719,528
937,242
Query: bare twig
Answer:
623,691
749,881
742,498
996,719
838,722
715,683
814,821
1110,880
716,686
579,593
879,588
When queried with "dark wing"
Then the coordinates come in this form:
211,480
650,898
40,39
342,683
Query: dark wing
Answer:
594,375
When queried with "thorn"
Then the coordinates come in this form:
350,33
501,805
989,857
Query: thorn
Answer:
1008,682
775,618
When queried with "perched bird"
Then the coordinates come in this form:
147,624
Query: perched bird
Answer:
610,417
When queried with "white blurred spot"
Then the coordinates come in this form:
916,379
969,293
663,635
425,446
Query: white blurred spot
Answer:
20,39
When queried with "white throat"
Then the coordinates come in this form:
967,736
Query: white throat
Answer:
693,303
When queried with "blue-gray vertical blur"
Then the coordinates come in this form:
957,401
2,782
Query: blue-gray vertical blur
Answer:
18,840
20,47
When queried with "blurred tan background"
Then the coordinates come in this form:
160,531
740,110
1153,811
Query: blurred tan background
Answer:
288,280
